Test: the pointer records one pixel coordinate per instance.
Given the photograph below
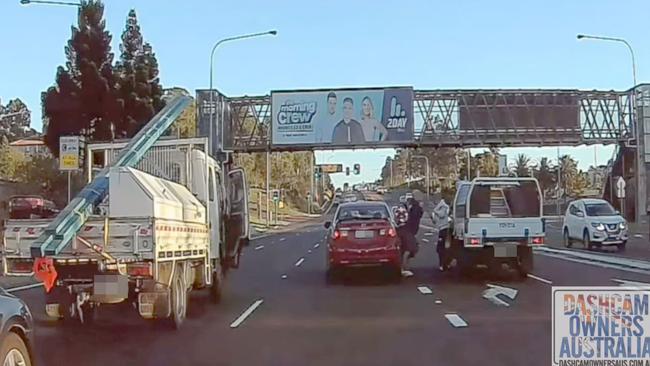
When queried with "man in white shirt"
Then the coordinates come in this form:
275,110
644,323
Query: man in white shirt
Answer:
440,217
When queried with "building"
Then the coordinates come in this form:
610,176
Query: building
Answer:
31,147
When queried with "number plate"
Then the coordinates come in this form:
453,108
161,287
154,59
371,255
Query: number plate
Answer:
505,251
364,234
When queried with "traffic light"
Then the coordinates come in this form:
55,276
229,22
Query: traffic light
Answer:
357,169
317,172
347,170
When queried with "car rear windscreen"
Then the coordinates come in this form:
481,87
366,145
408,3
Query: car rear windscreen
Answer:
362,212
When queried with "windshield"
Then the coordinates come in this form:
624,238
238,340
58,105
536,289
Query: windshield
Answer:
363,213
600,209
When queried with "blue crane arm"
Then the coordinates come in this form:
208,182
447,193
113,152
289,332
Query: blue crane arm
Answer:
60,232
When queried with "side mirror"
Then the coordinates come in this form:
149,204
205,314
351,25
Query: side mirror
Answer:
618,212
580,214
327,224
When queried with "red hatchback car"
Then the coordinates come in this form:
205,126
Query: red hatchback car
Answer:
362,234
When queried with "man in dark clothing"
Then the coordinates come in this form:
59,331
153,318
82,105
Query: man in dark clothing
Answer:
348,130
415,215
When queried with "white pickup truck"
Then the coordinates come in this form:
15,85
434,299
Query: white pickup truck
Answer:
495,221
155,237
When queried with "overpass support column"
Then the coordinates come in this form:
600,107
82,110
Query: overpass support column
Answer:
643,152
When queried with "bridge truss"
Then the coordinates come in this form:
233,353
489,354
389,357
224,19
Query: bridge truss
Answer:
471,118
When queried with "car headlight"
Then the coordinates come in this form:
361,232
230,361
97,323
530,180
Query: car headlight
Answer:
622,225
598,226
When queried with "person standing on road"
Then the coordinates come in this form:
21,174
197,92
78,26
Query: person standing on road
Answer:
440,218
408,247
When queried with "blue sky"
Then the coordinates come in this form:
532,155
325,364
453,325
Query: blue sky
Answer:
330,44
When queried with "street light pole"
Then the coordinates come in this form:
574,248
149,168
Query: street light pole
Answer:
614,39
426,159
214,48
46,2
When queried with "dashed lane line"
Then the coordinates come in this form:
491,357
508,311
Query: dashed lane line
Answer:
283,239
455,320
299,262
259,247
549,282
424,290
316,245
246,314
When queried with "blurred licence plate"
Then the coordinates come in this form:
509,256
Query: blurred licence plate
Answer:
505,250
364,234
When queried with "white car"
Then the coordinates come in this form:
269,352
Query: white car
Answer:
408,195
402,199
594,222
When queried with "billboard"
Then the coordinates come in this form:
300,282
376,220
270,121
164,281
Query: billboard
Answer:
519,111
342,117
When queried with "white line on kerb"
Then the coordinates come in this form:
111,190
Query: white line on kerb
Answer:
549,282
259,247
246,313
424,290
283,239
456,321
299,262
26,287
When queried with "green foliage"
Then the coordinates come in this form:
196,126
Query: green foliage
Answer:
10,161
15,119
84,100
522,166
573,181
544,174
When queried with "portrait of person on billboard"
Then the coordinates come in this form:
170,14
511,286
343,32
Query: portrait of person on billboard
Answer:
348,130
373,130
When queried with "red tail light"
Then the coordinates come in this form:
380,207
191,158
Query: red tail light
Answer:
392,233
139,269
336,234
538,240
474,241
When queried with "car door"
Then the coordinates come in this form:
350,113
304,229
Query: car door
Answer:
569,219
238,218
577,220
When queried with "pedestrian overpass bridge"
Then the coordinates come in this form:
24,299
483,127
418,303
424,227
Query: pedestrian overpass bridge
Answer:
477,118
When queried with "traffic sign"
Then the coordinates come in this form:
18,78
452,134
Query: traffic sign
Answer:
70,150
620,187
503,166
331,168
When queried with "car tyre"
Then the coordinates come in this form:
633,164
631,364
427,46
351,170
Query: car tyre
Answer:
621,247
178,298
14,351
567,239
586,241
216,290
525,262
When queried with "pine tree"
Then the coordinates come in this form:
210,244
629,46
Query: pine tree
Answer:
139,86
84,100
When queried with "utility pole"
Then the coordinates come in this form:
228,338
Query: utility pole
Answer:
268,187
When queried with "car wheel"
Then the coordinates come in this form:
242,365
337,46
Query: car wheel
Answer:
586,241
14,351
621,247
525,262
567,240
331,275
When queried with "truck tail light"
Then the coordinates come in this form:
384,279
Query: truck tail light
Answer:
538,240
474,241
139,269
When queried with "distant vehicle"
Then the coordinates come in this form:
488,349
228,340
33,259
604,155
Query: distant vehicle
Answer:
496,221
350,198
381,190
17,335
361,234
31,207
594,222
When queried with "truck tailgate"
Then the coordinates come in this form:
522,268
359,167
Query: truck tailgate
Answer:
503,229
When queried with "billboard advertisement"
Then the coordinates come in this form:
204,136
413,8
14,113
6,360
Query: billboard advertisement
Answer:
342,117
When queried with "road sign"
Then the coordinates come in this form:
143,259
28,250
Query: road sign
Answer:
70,152
493,291
331,168
620,187
503,166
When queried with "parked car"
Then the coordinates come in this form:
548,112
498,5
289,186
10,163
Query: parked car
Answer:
31,207
594,222
381,190
17,336
361,234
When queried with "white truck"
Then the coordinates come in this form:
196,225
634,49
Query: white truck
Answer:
496,221
176,223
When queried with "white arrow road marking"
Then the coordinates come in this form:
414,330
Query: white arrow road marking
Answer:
424,290
299,262
456,321
26,287
549,282
628,283
246,313
259,247
493,291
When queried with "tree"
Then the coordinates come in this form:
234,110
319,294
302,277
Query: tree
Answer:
84,100
573,182
10,160
522,166
488,163
138,82
544,174
15,119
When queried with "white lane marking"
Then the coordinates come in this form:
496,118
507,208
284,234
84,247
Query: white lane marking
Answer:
427,227
593,263
308,250
283,239
425,240
316,245
246,313
284,276
638,236
259,247
606,259
260,237
299,262
424,290
428,234
456,321
26,287
438,302
628,283
549,282
493,291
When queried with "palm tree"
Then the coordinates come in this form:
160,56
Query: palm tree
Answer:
544,174
522,166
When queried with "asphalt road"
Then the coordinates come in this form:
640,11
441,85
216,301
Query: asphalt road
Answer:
365,320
